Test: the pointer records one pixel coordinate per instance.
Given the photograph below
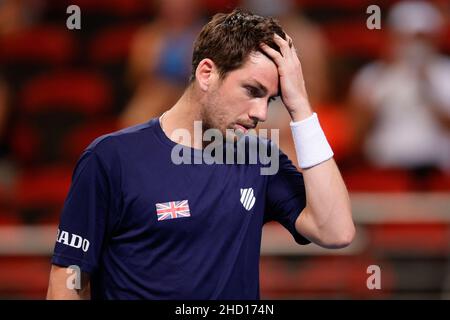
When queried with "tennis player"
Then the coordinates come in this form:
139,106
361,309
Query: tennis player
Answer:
138,226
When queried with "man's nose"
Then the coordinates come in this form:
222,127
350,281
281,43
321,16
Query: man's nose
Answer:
258,112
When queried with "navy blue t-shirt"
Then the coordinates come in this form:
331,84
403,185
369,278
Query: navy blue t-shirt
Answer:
146,228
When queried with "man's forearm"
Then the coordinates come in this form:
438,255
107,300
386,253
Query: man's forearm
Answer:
327,218
58,288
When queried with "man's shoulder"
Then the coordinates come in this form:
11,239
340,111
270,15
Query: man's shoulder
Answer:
124,137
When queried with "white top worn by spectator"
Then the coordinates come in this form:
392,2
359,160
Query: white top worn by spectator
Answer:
406,94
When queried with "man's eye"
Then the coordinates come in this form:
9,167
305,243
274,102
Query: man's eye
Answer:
252,92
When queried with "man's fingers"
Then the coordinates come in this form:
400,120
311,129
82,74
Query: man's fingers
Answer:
274,54
283,44
288,40
295,53
287,49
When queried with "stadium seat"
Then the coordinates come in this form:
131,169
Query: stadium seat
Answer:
24,277
7,214
118,8
445,39
324,4
410,238
274,278
50,105
83,92
35,51
25,143
111,45
46,44
369,179
40,193
214,6
354,39
80,137
9,218
321,276
338,128
439,182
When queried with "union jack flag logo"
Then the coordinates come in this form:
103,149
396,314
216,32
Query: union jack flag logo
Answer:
172,210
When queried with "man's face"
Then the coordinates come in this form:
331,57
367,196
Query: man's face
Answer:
240,100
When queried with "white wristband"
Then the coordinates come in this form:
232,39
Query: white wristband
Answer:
311,145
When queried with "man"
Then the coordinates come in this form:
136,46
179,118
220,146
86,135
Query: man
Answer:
141,227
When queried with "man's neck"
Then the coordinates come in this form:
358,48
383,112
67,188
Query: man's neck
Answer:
182,116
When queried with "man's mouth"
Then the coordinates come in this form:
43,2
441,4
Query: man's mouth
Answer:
244,127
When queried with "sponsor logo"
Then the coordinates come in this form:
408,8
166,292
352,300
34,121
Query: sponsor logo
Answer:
247,198
72,240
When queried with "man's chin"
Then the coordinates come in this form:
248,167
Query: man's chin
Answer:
234,134
231,134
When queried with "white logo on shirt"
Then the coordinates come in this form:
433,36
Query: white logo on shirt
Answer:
247,198
72,240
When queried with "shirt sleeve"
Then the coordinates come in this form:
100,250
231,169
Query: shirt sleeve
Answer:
86,215
286,197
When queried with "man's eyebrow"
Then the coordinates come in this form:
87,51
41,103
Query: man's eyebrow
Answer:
261,87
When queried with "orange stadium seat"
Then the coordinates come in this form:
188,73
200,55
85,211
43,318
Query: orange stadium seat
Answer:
343,4
274,278
213,6
119,8
78,91
25,142
111,45
40,193
80,137
368,179
411,238
107,51
321,276
354,39
338,128
439,182
129,7
7,215
24,277
9,218
341,277
50,105
445,39
46,44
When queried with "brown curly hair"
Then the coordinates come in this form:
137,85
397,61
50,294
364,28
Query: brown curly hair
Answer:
228,39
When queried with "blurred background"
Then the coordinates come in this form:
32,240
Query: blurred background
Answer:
383,97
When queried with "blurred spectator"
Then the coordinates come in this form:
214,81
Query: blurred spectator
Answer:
160,59
3,107
6,167
312,48
401,104
4,110
18,14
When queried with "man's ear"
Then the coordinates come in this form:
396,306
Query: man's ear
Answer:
205,73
